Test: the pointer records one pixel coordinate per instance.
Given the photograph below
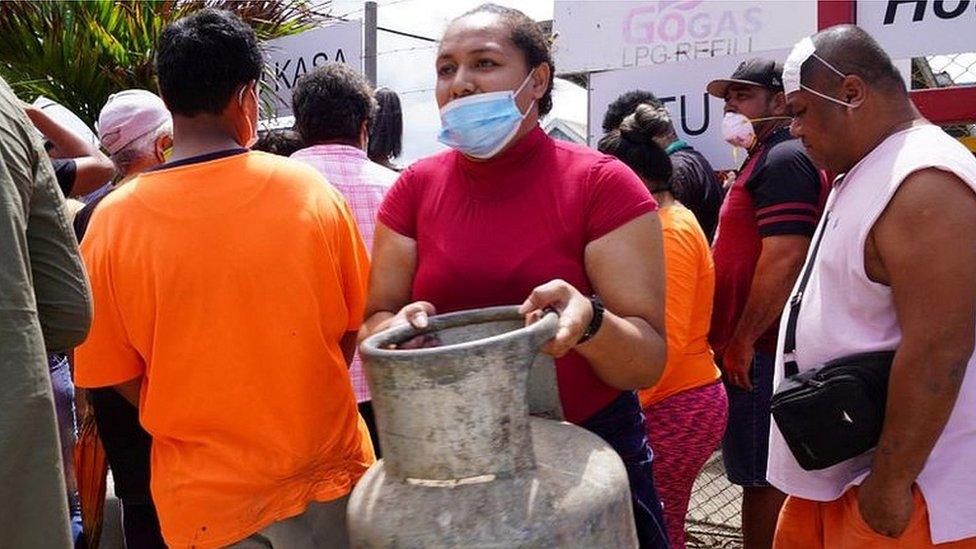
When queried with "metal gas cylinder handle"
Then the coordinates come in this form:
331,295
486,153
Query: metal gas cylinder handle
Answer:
538,333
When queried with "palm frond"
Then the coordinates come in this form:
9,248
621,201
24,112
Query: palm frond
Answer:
79,53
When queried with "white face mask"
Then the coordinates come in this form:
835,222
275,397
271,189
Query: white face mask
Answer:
738,130
803,50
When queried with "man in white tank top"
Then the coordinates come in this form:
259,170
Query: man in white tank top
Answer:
896,270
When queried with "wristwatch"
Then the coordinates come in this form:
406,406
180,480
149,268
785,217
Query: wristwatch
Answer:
595,323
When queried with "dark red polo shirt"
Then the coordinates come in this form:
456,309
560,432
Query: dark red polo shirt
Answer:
778,191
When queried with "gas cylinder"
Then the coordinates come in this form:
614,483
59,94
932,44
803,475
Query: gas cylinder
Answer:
464,464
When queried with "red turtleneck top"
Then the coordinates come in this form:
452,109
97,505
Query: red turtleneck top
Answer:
489,232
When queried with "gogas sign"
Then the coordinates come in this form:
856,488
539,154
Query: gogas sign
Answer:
291,57
675,31
625,34
913,28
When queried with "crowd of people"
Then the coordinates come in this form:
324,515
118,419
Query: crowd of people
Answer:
211,316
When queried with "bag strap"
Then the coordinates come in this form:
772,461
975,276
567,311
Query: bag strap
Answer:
790,367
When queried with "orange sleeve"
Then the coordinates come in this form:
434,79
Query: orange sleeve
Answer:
681,263
353,259
107,357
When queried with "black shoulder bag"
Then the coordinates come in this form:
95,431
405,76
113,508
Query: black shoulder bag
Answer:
835,412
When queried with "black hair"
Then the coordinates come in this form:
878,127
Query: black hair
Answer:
386,134
633,143
625,105
657,121
527,37
281,142
852,51
202,59
331,103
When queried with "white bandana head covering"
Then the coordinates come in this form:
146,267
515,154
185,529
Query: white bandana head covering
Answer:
791,68
803,50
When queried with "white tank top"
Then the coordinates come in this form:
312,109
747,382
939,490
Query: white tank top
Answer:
844,313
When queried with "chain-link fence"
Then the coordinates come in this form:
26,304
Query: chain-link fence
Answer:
942,71
714,513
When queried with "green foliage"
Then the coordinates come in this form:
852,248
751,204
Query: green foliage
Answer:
79,53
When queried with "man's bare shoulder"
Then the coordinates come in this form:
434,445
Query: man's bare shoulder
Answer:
932,214
930,196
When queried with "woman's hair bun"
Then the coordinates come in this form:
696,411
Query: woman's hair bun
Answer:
639,126
631,130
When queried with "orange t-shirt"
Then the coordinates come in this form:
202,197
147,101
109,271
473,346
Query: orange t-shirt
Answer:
228,284
690,286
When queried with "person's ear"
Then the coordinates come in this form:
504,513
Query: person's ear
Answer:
364,135
540,80
163,144
779,104
853,90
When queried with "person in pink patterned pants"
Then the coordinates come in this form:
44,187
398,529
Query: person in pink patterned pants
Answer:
687,410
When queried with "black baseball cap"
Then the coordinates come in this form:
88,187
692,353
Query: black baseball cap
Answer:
764,73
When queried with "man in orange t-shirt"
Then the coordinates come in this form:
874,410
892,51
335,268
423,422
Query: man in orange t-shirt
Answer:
228,287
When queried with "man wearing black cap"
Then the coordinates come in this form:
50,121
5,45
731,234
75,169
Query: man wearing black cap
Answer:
764,229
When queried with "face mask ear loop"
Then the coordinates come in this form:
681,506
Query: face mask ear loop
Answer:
240,95
828,65
825,96
829,98
518,91
250,126
767,118
524,82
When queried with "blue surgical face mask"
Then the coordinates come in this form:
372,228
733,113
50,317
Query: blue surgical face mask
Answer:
481,125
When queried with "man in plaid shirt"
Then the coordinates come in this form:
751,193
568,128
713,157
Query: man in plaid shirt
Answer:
333,108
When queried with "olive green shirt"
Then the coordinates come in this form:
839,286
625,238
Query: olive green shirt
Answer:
45,306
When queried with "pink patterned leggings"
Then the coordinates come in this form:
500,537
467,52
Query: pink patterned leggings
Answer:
684,430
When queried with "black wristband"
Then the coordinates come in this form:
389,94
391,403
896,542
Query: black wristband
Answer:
595,322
